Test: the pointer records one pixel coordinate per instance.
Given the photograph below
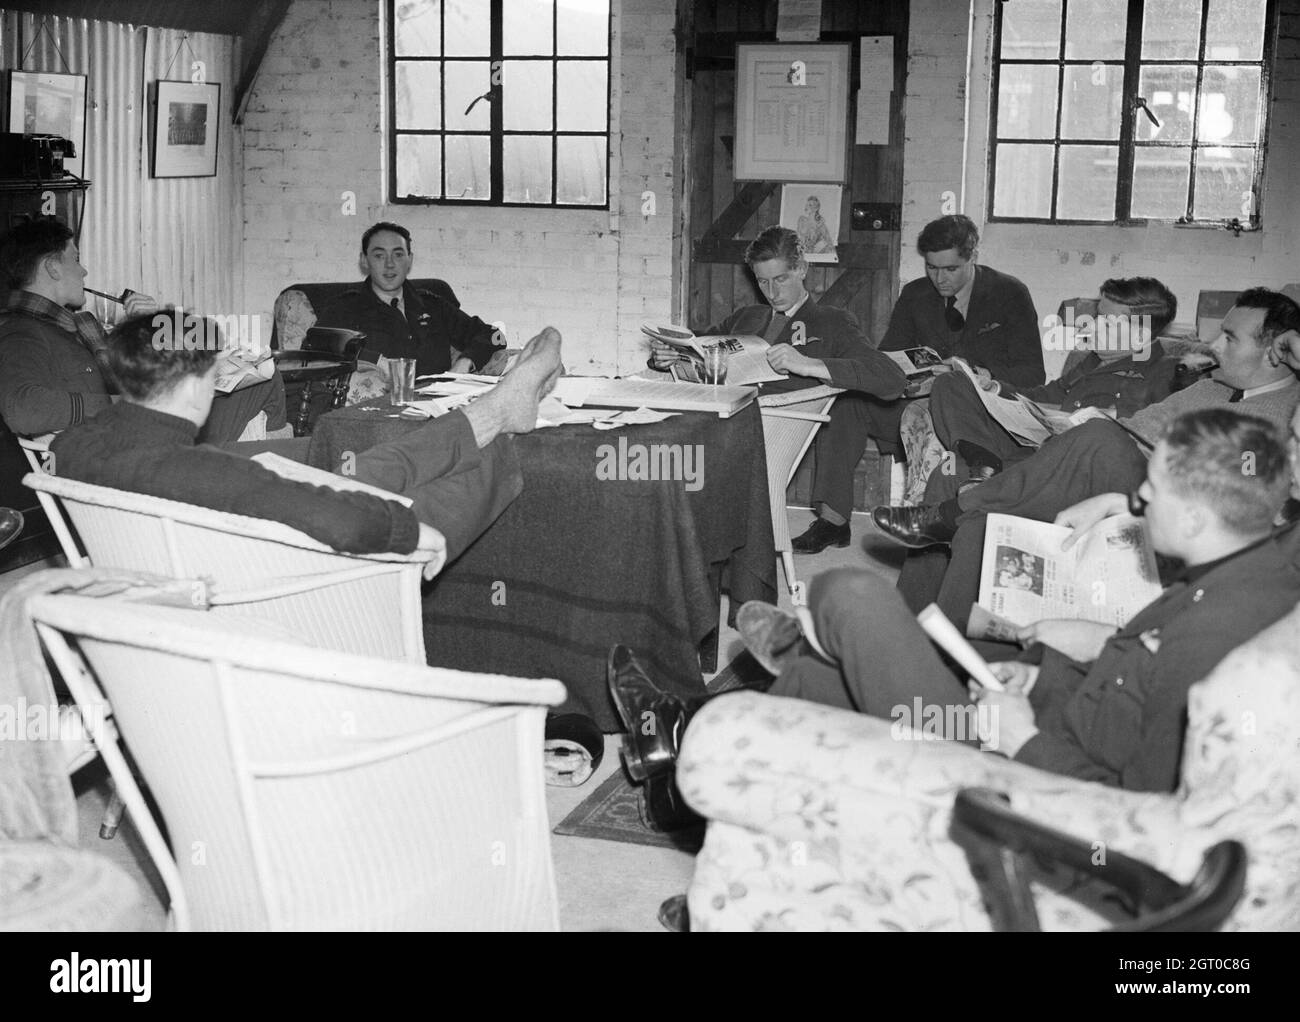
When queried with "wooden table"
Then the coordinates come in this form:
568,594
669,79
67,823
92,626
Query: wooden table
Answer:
579,562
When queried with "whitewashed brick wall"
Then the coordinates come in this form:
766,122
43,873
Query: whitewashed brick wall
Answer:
312,130
1058,262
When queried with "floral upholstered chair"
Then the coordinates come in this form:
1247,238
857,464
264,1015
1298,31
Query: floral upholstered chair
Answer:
823,819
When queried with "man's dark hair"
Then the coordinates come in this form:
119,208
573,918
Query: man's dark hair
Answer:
775,243
1234,464
954,231
1143,296
27,244
384,225
1280,312
148,354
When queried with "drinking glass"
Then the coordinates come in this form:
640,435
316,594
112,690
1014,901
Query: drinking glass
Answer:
715,364
401,380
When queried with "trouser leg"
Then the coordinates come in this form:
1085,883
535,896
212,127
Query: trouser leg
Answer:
839,447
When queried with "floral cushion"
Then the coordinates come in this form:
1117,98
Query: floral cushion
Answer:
823,819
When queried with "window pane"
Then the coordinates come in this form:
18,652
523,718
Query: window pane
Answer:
1235,30
416,29
1024,181
466,81
1160,182
582,28
581,96
1091,101
1031,30
1171,29
467,28
581,166
1095,29
468,160
416,90
1027,101
527,28
1085,187
419,166
526,93
1229,105
1223,183
527,165
1169,90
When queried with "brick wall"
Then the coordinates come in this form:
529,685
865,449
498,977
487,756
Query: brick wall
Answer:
313,130
1056,262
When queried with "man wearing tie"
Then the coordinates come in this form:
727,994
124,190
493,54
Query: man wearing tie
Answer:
962,310
403,321
814,344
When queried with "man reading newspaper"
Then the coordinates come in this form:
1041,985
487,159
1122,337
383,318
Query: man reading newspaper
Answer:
1086,700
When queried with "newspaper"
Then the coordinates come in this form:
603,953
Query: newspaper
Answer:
1107,576
237,370
1028,422
746,355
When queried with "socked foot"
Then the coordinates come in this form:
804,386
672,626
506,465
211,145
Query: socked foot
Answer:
511,406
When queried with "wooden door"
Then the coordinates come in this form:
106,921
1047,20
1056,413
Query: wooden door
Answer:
722,215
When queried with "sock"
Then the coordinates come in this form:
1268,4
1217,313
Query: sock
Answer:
831,515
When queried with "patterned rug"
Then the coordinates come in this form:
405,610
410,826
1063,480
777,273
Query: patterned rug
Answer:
614,811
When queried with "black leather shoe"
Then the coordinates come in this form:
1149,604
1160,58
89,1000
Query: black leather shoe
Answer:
664,808
674,915
914,527
654,719
11,523
821,535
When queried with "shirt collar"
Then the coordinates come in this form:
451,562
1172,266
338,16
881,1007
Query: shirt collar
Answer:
789,313
1268,388
963,296
387,299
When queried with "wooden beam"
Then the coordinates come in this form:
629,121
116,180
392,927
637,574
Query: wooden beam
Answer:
255,40
738,212
846,286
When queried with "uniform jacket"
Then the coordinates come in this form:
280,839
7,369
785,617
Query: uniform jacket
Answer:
1000,333
429,332
1127,384
1120,720
49,379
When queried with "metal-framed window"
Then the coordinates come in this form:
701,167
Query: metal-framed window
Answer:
1122,111
499,102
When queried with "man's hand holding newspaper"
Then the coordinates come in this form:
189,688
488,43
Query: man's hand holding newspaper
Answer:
1011,713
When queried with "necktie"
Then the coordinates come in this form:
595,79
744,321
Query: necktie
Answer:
951,313
774,328
396,303
1237,395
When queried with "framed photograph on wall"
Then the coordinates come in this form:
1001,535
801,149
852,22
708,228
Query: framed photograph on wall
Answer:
46,103
792,111
185,121
813,213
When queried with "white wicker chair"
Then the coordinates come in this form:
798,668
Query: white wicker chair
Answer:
37,449
790,421
354,603
313,790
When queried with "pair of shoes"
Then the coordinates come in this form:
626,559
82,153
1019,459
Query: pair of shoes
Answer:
663,807
915,527
654,719
11,523
772,636
572,750
821,535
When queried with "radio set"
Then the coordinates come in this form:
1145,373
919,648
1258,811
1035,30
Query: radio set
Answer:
33,157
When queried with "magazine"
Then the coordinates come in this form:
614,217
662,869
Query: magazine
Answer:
1107,576
1028,422
237,370
915,361
746,359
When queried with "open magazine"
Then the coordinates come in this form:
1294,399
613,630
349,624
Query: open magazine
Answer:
746,359
236,370
1028,422
1107,576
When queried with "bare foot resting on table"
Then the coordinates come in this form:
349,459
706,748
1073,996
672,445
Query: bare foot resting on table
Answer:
511,406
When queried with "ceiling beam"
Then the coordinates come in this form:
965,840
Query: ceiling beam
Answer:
256,38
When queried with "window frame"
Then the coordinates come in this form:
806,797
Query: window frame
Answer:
496,132
1127,144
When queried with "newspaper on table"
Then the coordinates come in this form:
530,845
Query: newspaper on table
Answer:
1107,576
746,355
1028,422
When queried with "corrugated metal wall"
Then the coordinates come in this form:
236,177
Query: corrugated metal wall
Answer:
178,239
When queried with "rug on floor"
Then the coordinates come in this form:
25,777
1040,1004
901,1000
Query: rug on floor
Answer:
614,812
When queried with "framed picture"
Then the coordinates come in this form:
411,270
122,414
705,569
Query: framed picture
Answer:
813,213
185,120
792,111
45,103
